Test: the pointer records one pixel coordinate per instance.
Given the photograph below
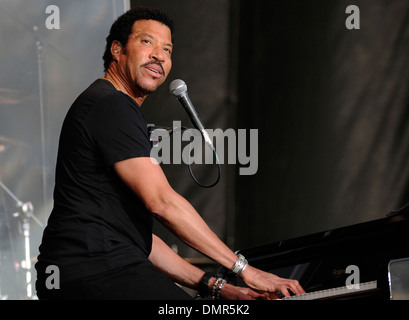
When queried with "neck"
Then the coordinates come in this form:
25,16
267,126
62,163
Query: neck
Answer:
121,85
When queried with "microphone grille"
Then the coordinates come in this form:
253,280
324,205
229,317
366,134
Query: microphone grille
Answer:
177,87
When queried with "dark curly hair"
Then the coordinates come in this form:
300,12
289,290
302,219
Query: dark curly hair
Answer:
122,28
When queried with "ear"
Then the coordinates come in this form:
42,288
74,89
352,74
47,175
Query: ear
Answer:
116,49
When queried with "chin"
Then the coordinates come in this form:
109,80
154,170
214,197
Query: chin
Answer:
148,88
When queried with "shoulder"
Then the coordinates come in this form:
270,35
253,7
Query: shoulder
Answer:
101,101
101,92
108,95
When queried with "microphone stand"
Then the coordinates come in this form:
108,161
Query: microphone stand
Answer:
40,47
27,214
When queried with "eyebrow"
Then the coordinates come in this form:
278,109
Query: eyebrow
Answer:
153,38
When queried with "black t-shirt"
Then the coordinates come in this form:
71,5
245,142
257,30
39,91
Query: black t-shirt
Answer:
97,222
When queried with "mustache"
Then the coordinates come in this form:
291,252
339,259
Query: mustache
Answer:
154,62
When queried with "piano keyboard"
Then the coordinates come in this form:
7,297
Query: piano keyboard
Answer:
334,292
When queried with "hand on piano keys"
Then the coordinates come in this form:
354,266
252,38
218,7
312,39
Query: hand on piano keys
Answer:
268,284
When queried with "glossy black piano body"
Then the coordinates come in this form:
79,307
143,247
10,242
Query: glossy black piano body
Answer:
319,261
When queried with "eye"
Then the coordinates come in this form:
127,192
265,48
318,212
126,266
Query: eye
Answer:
146,41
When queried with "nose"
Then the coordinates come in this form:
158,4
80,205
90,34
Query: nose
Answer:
157,54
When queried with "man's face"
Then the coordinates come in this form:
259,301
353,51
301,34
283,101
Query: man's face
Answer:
146,61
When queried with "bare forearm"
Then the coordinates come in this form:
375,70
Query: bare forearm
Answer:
179,216
170,263
182,272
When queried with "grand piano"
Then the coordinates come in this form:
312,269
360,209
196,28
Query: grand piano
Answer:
320,261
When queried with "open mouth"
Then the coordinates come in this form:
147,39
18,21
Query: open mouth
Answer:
155,68
154,71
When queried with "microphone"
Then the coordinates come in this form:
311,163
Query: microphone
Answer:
178,89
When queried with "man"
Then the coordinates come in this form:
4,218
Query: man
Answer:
108,190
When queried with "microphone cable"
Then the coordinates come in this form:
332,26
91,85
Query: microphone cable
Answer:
189,164
219,169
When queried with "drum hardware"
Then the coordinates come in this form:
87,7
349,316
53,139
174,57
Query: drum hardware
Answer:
25,213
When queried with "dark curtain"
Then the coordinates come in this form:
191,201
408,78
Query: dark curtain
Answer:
331,106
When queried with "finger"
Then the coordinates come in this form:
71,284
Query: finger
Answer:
284,291
293,286
296,287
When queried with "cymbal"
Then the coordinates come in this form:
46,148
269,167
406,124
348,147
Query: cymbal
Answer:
10,142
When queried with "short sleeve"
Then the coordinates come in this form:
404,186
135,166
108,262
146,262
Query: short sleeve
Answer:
118,129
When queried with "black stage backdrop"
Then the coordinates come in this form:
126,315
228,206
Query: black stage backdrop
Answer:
330,104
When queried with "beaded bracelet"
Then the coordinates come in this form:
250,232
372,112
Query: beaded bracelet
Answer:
217,288
216,283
